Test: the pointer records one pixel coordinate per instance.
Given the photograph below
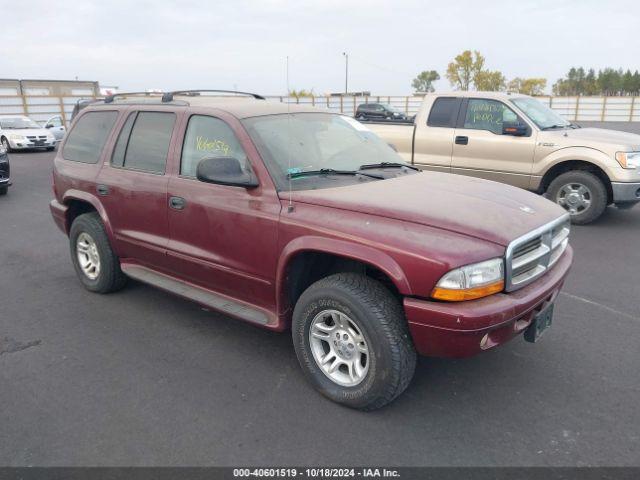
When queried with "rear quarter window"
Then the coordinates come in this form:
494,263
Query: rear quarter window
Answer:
444,112
88,137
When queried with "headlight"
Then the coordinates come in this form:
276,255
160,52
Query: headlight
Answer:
471,281
15,136
628,159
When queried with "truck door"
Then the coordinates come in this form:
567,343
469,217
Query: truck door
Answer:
433,138
222,238
481,149
133,186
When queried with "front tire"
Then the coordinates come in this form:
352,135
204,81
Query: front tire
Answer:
352,341
96,265
581,193
4,190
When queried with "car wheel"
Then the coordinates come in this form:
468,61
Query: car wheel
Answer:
352,341
581,193
96,265
4,190
5,144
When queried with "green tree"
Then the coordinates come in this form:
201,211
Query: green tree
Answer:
464,68
424,81
489,81
528,86
301,93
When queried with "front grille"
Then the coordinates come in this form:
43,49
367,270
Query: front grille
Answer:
533,254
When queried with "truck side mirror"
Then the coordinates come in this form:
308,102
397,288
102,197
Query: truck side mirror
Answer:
225,171
514,128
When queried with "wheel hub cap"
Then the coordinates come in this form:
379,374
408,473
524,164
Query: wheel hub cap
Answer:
574,197
339,348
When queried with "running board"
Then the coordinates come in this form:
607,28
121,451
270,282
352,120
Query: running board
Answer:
210,299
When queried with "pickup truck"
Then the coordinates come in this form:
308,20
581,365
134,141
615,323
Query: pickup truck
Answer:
294,218
515,139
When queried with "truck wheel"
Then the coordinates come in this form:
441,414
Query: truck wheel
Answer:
4,190
97,267
581,193
352,341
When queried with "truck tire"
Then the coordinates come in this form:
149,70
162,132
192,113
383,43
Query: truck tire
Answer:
581,193
96,265
4,190
352,341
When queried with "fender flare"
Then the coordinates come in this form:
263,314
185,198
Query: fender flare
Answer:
73,194
341,248
581,154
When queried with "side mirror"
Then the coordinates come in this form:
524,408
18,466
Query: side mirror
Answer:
48,125
225,171
514,128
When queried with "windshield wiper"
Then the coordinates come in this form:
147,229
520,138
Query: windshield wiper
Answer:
370,166
551,127
331,171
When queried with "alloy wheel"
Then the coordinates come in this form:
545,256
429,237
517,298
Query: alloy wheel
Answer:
339,348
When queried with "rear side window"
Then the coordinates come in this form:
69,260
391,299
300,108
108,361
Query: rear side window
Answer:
88,137
143,142
444,112
208,137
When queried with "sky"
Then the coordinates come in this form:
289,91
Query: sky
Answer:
243,44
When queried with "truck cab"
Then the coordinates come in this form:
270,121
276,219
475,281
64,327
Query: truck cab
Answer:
515,139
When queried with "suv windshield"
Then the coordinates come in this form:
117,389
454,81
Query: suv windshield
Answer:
291,144
17,123
540,114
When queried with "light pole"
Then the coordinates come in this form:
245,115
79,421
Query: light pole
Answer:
346,72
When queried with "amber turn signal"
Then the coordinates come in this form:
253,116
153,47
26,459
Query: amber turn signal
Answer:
459,295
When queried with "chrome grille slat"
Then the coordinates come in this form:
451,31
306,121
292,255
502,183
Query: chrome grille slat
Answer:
531,255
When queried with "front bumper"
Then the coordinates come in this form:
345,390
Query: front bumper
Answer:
457,329
29,144
5,172
625,192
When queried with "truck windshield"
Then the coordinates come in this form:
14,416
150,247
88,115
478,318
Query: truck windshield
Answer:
540,114
319,143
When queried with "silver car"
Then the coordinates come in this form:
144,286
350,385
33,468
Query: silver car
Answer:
21,133
56,126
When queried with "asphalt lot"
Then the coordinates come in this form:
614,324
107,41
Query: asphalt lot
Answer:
144,378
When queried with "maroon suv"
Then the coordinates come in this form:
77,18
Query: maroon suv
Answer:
294,217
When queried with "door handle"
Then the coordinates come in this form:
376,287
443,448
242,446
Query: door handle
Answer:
102,190
177,203
462,140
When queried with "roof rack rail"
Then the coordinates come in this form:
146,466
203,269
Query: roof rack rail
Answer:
168,96
110,98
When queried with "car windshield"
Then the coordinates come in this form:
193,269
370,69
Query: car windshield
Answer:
540,114
17,123
323,143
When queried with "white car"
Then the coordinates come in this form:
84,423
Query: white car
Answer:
21,133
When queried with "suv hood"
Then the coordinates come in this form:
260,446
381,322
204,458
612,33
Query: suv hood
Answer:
599,138
469,206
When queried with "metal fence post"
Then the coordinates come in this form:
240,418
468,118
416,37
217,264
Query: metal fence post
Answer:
604,108
62,112
633,104
575,115
341,104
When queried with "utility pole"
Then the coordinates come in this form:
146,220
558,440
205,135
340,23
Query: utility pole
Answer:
346,72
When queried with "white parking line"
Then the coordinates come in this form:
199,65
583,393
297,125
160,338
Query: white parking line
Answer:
604,307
